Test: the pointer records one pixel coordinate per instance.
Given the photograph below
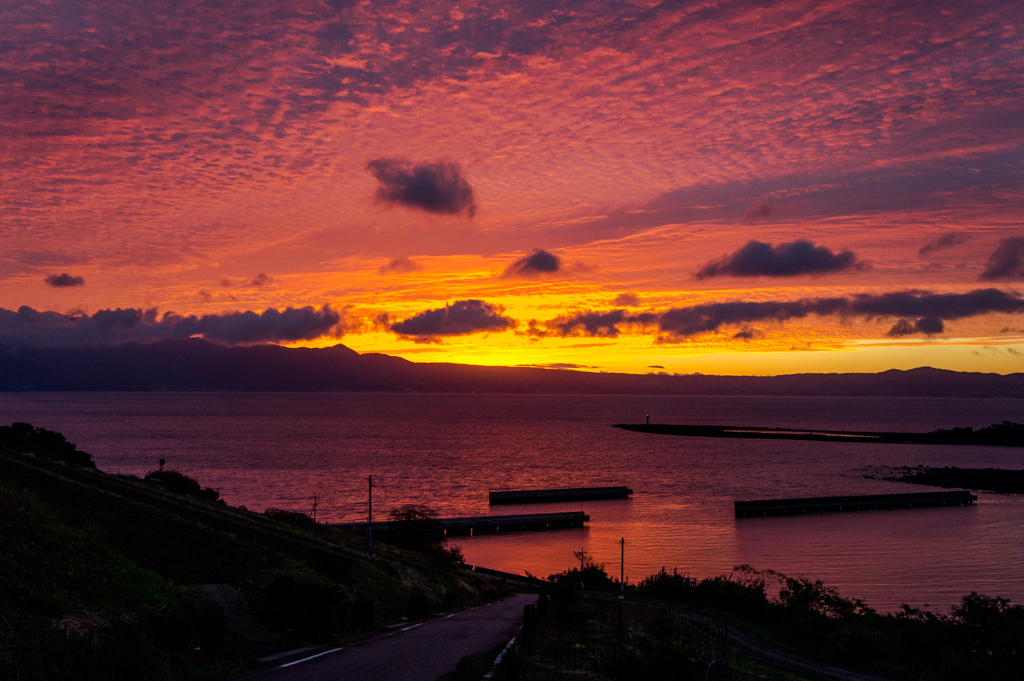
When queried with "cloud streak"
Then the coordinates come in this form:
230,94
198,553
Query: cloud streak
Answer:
400,266
438,188
1007,261
32,328
944,242
791,259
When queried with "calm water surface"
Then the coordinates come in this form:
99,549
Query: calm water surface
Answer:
448,451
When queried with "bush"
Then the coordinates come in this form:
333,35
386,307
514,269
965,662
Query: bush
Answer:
46,444
290,517
416,528
307,606
179,483
589,576
742,593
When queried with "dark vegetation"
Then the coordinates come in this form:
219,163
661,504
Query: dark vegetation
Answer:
156,571
989,479
290,517
415,527
982,638
179,483
1005,433
45,444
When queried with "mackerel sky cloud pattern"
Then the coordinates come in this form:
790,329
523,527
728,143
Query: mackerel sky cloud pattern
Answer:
158,149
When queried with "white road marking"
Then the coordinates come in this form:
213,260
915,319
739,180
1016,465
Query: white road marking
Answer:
501,655
311,657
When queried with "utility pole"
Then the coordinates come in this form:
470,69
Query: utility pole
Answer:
314,508
369,521
622,570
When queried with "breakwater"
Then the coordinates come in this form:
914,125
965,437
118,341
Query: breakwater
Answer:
1006,434
870,502
470,525
542,496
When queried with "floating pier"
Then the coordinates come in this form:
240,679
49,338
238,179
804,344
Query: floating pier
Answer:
871,502
487,524
543,496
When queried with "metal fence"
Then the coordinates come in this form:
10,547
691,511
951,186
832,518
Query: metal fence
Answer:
597,638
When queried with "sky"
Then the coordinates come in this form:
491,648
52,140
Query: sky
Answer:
728,187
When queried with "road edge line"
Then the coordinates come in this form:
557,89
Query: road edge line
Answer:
501,656
311,657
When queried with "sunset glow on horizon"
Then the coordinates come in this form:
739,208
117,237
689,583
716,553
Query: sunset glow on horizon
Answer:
679,187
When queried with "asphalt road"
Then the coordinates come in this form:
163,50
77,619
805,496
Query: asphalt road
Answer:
419,652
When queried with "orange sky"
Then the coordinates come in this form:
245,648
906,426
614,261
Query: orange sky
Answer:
536,183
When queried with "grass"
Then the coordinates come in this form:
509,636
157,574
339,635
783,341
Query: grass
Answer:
83,549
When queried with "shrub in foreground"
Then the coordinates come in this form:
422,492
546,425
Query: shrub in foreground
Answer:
179,483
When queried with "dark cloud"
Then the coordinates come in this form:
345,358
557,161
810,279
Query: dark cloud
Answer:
460,318
690,321
1007,261
534,331
762,211
929,309
925,325
261,279
948,306
627,300
64,280
747,334
433,187
930,325
794,258
31,328
538,262
655,366
400,266
948,240
599,324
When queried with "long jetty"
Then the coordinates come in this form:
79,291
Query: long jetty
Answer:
871,502
1009,435
542,496
470,525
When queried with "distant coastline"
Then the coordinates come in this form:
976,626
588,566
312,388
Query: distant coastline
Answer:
198,365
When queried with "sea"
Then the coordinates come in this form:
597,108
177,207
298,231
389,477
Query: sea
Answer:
447,451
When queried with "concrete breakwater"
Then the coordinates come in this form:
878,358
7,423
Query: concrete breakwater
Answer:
1006,434
871,502
470,525
543,496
